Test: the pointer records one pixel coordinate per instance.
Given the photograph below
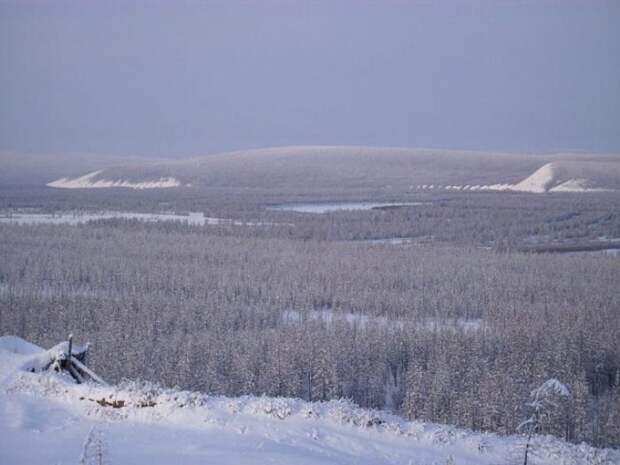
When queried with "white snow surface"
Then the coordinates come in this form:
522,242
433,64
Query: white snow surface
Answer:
543,180
538,182
79,217
17,345
47,419
576,185
88,181
330,207
328,316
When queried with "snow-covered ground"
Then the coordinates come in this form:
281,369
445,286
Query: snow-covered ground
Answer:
73,218
46,419
391,241
89,181
597,253
329,316
545,179
338,206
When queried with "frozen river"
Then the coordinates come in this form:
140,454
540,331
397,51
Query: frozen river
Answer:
339,206
75,218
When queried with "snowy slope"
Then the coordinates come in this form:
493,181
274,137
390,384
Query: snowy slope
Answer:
91,181
549,178
554,177
46,419
540,181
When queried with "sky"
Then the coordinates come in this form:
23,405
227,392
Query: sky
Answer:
185,78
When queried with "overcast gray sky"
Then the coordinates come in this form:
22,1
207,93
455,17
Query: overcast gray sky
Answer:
181,78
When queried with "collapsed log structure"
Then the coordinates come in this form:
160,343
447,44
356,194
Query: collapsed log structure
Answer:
69,358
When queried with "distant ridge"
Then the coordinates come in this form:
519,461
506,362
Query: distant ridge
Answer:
308,168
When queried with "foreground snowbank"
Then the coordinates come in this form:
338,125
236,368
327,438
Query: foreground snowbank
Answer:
45,418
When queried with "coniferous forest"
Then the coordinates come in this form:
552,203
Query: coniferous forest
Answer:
457,324
310,232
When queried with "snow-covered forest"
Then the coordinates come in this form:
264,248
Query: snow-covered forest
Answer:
449,329
310,232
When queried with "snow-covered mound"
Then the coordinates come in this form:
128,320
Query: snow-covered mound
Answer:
17,345
558,176
46,418
540,181
93,181
17,355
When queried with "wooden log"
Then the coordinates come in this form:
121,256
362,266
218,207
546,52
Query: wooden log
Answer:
75,373
87,370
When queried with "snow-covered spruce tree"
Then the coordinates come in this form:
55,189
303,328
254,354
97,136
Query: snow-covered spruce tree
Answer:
543,400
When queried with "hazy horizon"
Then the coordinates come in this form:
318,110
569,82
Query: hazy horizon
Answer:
191,78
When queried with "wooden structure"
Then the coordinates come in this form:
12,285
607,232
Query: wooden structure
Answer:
70,358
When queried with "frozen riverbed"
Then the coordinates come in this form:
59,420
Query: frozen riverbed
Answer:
76,217
339,206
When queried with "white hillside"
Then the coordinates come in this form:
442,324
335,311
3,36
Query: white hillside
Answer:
46,418
540,181
549,178
91,181
554,177
311,169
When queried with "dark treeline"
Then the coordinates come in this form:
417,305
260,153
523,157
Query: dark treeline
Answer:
446,334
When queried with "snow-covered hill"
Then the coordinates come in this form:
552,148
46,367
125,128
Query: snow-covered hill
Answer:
572,177
89,181
308,169
47,419
557,176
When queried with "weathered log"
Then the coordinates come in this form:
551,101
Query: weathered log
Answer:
76,374
87,370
